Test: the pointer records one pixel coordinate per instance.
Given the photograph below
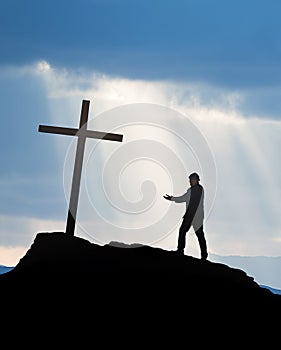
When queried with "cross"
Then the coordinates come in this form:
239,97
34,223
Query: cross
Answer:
82,133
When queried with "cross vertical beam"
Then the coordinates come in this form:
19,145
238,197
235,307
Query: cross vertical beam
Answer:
82,134
78,164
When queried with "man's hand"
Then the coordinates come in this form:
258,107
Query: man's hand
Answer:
168,197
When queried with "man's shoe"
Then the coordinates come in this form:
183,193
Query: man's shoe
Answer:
204,256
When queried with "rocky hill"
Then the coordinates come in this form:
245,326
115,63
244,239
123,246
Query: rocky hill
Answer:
68,278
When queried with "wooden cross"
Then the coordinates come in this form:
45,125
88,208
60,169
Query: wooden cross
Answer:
82,133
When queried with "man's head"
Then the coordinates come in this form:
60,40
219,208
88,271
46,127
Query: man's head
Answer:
194,179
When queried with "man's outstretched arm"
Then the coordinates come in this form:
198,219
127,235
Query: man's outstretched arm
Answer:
180,199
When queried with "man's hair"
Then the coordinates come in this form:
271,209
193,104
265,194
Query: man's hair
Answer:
194,176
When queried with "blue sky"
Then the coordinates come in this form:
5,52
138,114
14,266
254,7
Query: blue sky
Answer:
235,44
215,62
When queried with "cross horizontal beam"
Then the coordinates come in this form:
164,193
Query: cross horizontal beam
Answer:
82,134
86,133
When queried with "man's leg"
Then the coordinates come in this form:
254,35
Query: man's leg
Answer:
202,242
185,226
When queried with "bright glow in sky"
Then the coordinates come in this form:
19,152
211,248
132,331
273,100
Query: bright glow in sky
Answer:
244,152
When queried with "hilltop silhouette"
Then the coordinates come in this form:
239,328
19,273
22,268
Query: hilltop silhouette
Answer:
63,277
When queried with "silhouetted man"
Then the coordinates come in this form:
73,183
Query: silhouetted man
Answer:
194,215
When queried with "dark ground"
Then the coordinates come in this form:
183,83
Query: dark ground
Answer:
66,282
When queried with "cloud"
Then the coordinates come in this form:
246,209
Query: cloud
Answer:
18,233
28,167
244,218
232,45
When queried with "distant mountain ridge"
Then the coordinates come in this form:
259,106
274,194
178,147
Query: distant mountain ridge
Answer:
4,269
264,269
273,290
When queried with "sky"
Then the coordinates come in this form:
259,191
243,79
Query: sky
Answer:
191,86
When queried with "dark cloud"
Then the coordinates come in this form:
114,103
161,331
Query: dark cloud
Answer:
232,44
